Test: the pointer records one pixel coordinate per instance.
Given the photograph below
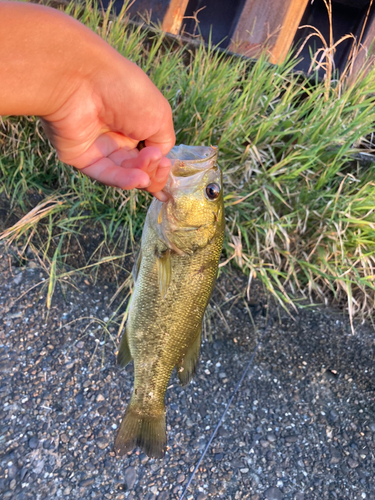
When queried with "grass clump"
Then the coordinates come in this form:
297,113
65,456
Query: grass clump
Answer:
300,198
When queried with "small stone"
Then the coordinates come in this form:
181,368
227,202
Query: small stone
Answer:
17,280
130,477
202,496
236,463
100,398
244,471
180,478
164,495
87,482
13,484
102,410
212,489
33,443
24,472
47,444
12,471
143,458
149,496
335,456
271,438
299,496
264,443
102,442
223,432
333,416
273,494
64,438
80,399
67,491
372,426
291,439
353,464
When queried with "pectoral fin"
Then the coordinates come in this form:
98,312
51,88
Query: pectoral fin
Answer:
186,368
164,271
124,356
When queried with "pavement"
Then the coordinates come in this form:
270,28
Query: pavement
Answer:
301,426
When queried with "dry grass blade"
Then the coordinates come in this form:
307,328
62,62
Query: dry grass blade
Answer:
32,218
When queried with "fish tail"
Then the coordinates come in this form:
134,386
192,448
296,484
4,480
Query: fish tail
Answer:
147,432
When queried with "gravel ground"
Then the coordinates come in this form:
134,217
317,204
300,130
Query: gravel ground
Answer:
302,425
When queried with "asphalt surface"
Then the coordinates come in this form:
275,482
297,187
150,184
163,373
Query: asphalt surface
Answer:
302,425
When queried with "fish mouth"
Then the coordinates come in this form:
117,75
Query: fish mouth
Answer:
192,154
189,228
190,160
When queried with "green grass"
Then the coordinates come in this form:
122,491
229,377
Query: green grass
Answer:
300,205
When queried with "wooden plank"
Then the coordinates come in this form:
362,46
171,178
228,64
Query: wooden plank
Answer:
270,24
365,57
175,14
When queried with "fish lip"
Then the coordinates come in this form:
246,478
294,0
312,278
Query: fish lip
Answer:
214,152
168,194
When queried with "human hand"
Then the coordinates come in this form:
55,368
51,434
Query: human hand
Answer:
99,126
96,106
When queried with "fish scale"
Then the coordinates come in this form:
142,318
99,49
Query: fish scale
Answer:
174,277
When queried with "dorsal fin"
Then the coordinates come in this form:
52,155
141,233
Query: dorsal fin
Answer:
137,265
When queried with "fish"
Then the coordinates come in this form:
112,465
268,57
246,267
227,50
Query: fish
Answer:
174,275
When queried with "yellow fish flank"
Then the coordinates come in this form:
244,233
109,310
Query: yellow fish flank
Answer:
175,274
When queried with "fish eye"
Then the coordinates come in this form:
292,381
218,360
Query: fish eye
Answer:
212,191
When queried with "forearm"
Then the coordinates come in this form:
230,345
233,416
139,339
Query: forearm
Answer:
95,105
44,57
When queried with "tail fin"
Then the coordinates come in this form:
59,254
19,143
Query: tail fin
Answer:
147,432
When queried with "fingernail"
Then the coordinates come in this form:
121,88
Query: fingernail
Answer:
162,173
144,185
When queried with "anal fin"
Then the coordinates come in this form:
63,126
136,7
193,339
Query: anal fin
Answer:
186,368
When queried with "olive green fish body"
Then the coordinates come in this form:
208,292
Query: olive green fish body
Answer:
174,277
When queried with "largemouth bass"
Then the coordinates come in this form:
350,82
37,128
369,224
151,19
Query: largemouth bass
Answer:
174,274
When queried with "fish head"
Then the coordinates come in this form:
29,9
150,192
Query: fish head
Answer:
194,212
